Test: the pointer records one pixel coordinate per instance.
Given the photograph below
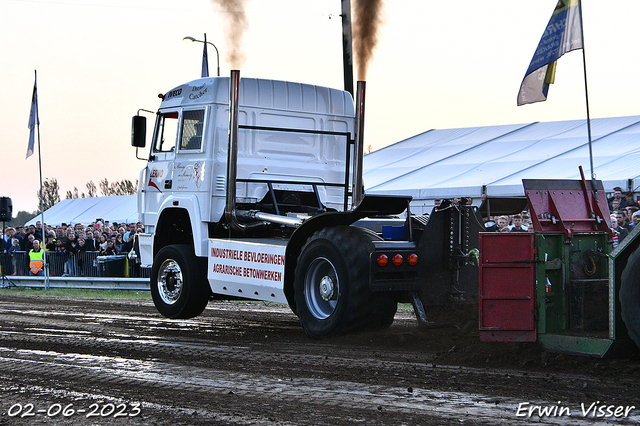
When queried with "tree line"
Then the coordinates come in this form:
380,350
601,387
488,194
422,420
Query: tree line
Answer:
51,191
51,195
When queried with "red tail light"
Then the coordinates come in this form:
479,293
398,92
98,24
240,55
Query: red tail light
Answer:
382,260
397,260
412,259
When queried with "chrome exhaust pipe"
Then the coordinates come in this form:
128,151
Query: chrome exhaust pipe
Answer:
357,189
292,222
232,158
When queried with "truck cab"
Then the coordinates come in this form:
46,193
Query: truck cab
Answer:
253,189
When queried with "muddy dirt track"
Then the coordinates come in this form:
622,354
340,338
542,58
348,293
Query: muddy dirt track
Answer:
81,362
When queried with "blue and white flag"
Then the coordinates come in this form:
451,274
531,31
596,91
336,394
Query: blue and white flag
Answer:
33,118
205,59
563,34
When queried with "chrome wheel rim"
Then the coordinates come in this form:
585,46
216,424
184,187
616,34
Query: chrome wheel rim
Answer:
321,288
170,281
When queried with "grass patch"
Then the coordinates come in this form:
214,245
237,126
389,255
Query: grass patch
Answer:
76,293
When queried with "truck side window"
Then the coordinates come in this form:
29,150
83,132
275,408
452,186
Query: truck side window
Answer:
192,125
166,133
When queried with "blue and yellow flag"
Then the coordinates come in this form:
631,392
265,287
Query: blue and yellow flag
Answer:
563,34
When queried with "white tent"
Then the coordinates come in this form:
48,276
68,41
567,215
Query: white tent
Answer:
463,162
115,209
452,163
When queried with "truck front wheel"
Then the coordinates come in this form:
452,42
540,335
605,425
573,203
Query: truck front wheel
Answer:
178,284
332,284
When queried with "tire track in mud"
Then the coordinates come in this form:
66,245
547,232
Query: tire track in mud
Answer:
202,366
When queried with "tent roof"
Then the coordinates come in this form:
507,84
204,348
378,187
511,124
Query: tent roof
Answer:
452,163
115,209
460,162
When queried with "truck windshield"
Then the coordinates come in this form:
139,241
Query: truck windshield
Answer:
166,133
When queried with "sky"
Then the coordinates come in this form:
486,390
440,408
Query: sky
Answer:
438,65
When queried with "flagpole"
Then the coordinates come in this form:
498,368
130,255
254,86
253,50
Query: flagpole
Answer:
586,95
44,229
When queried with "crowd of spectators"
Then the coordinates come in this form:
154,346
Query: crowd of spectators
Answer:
624,209
625,213
22,247
517,223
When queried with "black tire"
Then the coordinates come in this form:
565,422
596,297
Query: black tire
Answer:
630,296
332,284
178,282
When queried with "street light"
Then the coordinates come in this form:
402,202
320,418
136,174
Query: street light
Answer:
191,39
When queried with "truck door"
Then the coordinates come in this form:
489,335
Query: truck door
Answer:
159,174
190,161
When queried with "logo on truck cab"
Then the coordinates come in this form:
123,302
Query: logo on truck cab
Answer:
172,93
155,173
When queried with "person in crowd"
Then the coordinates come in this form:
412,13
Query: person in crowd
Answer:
31,230
517,225
28,245
60,249
38,232
109,250
620,232
50,243
62,235
90,242
119,244
129,241
22,234
36,259
81,258
72,249
502,222
629,198
614,205
82,244
131,229
102,244
630,210
635,218
15,247
621,217
10,234
61,256
5,241
626,201
617,197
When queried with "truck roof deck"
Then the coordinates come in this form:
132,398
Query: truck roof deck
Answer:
262,93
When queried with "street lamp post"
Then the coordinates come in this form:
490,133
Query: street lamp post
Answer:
191,39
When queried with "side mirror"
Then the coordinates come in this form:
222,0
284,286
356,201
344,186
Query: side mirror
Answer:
139,131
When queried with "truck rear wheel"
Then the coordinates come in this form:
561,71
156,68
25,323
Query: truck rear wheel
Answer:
332,284
630,296
178,282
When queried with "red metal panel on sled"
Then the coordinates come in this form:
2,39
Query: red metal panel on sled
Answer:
567,206
507,287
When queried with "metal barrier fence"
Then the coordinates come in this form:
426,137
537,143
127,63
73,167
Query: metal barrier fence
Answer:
82,264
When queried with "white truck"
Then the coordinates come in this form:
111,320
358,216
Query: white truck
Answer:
251,191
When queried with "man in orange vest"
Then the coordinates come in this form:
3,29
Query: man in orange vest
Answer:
36,261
